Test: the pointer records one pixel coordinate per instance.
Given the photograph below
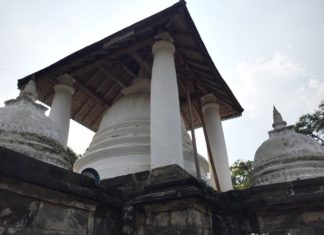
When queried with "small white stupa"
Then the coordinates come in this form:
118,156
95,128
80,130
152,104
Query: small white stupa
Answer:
25,128
287,155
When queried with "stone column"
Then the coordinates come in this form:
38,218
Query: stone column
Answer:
61,106
217,141
165,126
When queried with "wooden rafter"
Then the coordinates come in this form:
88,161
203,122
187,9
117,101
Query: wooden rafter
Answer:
90,112
141,61
96,119
89,91
113,78
93,77
190,71
82,106
129,71
102,85
183,35
187,48
110,89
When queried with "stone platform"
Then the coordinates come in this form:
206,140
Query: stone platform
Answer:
39,198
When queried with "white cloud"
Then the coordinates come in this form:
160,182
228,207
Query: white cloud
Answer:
259,85
277,81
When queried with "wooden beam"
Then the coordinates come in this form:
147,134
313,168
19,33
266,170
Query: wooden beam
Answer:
193,136
142,62
102,85
183,35
189,48
93,76
213,86
113,56
197,63
112,77
133,47
129,71
92,110
183,100
84,103
86,68
99,117
171,21
202,72
91,93
190,71
113,87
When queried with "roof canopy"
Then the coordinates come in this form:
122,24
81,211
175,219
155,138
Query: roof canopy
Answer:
104,68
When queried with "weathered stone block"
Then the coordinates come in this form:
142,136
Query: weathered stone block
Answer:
179,218
197,218
163,219
62,219
167,174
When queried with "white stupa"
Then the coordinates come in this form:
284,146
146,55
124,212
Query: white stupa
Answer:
287,155
25,128
122,144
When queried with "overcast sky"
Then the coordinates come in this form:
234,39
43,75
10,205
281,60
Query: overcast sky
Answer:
268,52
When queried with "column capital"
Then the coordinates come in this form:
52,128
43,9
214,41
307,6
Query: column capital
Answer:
65,83
163,45
66,79
208,101
64,87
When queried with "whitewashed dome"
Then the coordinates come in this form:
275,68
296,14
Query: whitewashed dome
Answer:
122,144
287,156
25,128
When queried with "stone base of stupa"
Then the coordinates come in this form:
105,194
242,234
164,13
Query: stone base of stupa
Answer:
40,198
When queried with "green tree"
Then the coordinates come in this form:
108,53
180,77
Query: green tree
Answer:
73,156
241,173
312,124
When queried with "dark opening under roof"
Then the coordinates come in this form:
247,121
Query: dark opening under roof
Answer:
104,68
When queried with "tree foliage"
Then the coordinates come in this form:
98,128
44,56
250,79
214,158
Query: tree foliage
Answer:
241,173
73,156
312,124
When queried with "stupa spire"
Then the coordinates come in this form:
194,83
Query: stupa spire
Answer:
278,122
30,90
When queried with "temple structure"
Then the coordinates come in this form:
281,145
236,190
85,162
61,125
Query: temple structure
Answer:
142,123
141,89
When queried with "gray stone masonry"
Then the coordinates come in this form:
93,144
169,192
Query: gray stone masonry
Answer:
39,198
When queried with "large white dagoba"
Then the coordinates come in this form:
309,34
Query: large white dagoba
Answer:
122,144
287,155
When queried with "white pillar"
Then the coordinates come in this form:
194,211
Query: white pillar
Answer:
165,128
61,106
217,141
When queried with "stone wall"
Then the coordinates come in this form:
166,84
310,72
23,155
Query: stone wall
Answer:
27,209
39,198
293,208
187,216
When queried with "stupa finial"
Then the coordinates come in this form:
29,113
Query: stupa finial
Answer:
278,122
30,89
